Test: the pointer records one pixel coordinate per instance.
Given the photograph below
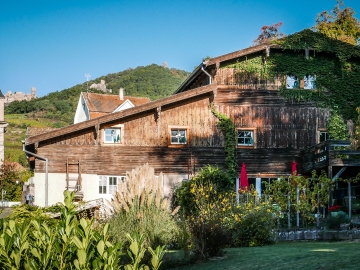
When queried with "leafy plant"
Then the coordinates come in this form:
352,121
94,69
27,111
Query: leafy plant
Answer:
140,206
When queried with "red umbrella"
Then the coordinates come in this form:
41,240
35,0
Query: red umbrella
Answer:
293,168
244,182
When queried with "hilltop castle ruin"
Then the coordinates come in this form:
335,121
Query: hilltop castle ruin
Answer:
19,96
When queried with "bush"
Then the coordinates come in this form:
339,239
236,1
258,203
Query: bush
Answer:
69,244
253,227
206,222
183,196
334,221
140,206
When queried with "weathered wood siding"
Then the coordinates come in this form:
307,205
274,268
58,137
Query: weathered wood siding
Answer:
282,130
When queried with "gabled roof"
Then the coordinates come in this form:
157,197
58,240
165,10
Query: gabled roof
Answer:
100,104
111,117
222,58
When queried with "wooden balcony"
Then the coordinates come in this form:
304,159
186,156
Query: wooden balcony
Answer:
328,154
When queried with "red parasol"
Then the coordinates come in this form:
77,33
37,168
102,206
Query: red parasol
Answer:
293,169
244,182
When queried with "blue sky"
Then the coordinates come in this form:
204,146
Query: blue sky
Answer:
51,44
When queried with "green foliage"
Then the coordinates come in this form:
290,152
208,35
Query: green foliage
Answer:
339,24
254,227
337,128
207,175
334,221
227,127
68,244
147,217
283,193
334,63
206,224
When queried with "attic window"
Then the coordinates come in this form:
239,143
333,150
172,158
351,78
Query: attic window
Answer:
112,135
179,136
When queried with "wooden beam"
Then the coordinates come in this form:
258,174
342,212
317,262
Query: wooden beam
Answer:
122,114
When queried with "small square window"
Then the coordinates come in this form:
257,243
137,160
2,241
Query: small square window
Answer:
309,82
112,135
292,82
178,136
245,137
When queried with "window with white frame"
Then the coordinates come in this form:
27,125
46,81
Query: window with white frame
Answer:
245,137
293,82
102,184
112,135
109,184
178,136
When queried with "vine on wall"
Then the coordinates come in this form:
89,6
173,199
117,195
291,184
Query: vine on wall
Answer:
227,127
333,63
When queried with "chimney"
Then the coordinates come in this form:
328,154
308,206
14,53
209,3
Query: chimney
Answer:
121,93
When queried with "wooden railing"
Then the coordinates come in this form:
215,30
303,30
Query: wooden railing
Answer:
232,76
329,153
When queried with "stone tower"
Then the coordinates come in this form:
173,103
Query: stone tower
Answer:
3,126
33,92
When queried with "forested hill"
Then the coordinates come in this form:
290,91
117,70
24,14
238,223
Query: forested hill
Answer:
151,81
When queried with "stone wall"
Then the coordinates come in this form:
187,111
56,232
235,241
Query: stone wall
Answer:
317,234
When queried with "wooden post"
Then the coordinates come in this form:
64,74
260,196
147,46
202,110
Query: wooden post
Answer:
349,194
297,205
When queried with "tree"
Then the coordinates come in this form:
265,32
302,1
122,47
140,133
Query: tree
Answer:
339,24
269,33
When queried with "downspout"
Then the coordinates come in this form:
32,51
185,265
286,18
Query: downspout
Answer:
202,68
46,171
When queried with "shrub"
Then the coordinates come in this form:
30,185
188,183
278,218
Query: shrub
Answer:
140,206
206,222
183,196
334,221
69,244
253,226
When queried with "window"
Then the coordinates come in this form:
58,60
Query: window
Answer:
292,82
324,136
245,137
102,184
112,185
309,82
112,135
109,184
178,136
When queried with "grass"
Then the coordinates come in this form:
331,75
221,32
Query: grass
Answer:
16,132
294,255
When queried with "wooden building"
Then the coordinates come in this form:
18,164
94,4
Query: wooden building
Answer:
178,135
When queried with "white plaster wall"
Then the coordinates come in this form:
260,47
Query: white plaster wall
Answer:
57,185
81,115
171,180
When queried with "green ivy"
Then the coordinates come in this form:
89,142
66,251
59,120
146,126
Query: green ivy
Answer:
334,63
227,127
